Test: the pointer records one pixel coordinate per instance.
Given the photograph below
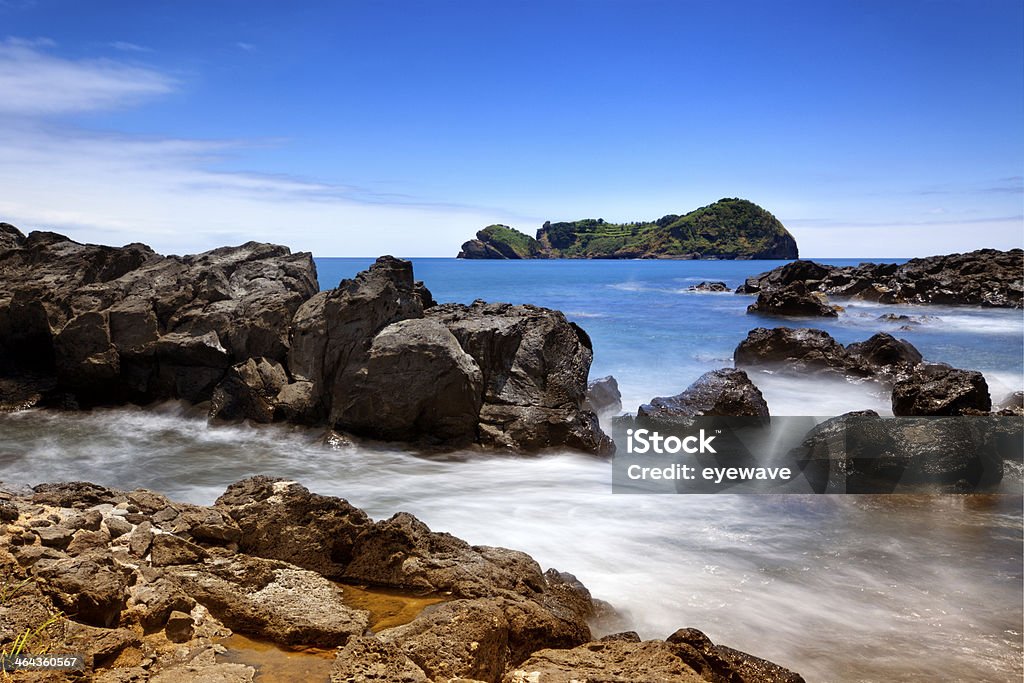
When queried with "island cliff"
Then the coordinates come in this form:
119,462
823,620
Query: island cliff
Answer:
728,229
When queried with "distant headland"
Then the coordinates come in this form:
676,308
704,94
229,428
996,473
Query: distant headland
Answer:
730,228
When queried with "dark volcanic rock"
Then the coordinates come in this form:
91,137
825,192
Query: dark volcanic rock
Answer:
10,237
603,396
249,391
244,327
725,392
792,300
886,355
716,286
936,389
797,271
333,331
863,453
417,383
799,350
986,277
535,365
1012,404
116,324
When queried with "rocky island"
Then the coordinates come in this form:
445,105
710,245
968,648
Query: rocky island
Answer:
727,229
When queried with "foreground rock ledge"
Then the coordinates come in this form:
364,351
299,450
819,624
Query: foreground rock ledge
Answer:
246,329
146,588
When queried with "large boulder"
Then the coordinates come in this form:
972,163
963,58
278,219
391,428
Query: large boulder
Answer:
860,452
886,355
332,332
937,389
797,350
727,392
10,237
792,300
416,384
805,272
535,365
603,396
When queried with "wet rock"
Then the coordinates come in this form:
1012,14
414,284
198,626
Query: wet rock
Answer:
725,392
271,599
862,453
367,658
603,396
797,350
986,277
715,286
282,520
1012,404
798,271
886,356
535,365
793,300
720,663
416,383
935,389
249,391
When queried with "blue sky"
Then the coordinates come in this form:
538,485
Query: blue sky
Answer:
360,128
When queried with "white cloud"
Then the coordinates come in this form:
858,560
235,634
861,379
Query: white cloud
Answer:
34,82
116,189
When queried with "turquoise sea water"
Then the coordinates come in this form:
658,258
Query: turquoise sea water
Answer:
656,338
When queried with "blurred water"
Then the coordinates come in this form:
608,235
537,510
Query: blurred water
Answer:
839,588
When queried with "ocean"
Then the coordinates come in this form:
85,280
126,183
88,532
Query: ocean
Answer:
854,588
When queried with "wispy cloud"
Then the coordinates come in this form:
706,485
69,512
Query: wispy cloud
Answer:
125,46
119,189
248,47
34,82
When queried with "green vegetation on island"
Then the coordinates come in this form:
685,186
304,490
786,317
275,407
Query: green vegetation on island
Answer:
728,229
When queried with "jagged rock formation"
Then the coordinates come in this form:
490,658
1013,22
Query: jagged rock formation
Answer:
723,393
727,229
246,329
987,277
146,588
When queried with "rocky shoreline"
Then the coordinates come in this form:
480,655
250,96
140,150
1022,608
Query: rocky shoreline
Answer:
147,589
987,277
247,330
